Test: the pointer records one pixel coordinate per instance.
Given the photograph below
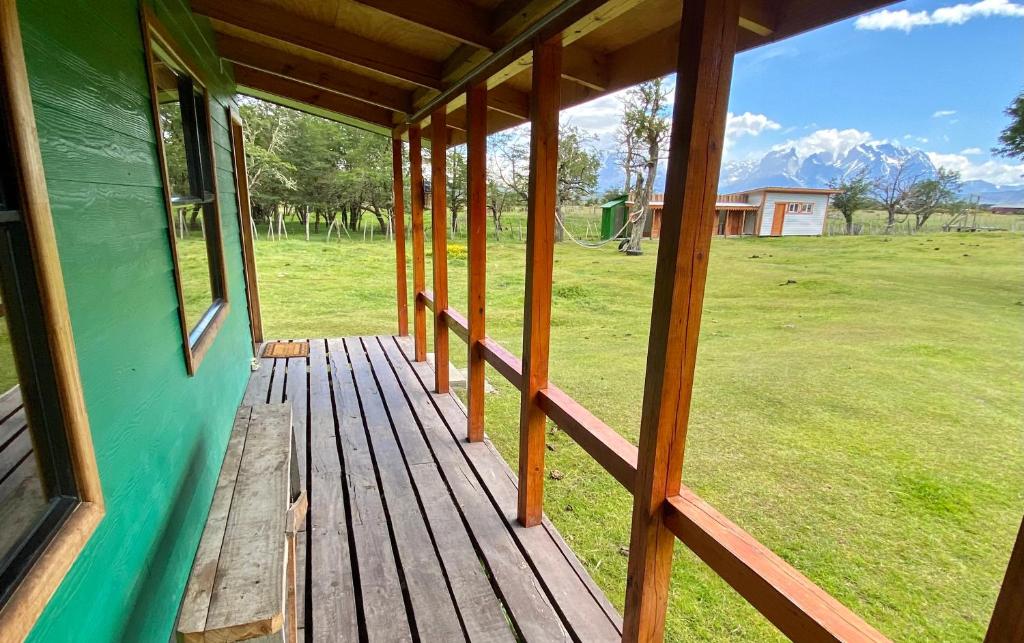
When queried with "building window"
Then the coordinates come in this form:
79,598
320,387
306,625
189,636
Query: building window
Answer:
800,208
182,116
50,496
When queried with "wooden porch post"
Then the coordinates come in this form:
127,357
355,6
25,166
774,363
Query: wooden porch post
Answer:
399,229
540,236
476,107
439,242
419,273
707,43
1007,622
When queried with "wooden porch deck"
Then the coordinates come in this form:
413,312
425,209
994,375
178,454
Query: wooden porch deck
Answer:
412,531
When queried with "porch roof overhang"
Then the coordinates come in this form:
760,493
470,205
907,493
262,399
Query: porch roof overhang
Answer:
385,64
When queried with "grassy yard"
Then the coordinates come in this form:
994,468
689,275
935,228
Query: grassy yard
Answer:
865,422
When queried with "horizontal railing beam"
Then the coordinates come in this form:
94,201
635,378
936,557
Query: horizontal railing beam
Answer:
795,605
456,323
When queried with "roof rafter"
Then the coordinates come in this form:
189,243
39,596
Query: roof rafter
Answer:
369,90
456,19
309,95
330,41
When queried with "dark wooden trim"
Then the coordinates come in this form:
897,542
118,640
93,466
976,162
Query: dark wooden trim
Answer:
252,289
27,601
418,250
801,610
707,46
401,281
439,242
476,152
540,240
1007,624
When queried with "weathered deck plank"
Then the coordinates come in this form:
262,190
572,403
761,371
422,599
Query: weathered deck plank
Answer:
411,530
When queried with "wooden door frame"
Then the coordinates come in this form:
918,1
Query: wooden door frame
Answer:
779,218
245,227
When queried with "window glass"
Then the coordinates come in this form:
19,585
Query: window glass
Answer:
183,115
37,484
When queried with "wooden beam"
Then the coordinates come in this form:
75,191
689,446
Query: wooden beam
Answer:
339,81
271,84
801,610
458,19
476,153
398,191
418,250
330,41
708,42
439,242
540,238
1007,622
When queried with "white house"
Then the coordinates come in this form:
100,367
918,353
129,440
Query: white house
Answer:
762,212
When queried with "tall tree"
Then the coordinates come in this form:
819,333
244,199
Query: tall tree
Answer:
853,196
928,196
1011,140
891,190
646,113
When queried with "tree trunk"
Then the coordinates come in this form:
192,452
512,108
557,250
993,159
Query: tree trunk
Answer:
559,222
644,192
849,223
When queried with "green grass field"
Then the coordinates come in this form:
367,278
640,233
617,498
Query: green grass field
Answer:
864,422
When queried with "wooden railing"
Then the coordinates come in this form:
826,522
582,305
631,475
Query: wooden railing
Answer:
664,509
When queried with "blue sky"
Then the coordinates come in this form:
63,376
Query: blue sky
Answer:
934,75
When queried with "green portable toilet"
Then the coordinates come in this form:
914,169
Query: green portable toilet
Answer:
613,216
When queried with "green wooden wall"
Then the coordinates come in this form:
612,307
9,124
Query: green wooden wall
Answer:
159,434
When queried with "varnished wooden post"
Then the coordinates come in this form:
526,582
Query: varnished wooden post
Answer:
439,242
419,272
707,45
1008,617
540,236
476,148
399,230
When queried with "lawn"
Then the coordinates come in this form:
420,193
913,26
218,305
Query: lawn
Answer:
857,406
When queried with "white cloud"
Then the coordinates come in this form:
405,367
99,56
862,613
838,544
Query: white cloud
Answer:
971,151
748,124
833,140
958,14
942,113
991,171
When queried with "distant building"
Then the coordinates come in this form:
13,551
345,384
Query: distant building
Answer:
1007,209
762,212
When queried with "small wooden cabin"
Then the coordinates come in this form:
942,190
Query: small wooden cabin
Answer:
762,212
123,170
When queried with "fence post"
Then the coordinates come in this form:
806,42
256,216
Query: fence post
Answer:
418,251
439,242
707,43
540,237
476,240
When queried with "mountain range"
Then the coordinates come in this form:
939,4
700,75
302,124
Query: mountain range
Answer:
785,167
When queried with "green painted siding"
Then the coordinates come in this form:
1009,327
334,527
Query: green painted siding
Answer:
159,434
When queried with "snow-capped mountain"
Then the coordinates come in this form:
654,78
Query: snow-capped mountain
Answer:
786,168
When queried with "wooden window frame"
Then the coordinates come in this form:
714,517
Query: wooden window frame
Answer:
38,584
196,341
800,207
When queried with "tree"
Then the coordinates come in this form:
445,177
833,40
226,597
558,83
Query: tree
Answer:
930,195
853,196
892,189
457,179
267,131
499,199
578,165
646,115
1011,140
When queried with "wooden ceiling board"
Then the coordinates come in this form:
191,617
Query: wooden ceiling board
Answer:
376,25
314,57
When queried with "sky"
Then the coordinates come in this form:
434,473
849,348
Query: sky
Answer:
930,74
